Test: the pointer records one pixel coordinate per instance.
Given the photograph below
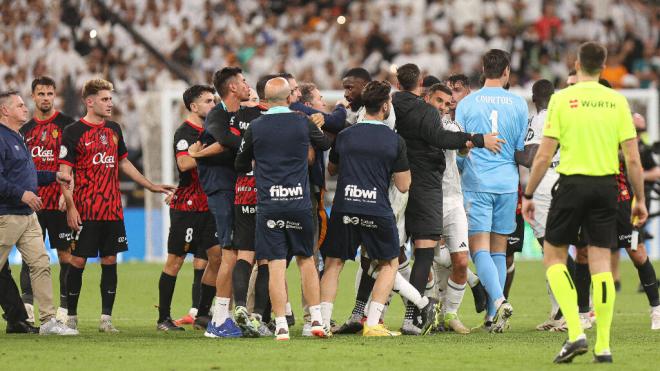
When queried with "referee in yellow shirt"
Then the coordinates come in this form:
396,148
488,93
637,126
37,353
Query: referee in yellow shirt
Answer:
590,122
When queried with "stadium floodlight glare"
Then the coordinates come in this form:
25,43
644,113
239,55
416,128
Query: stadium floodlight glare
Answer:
341,19
92,34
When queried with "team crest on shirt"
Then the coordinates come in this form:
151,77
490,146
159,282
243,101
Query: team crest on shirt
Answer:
104,139
55,133
43,135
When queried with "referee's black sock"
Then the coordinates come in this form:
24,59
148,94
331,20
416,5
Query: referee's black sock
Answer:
73,286
261,296
165,292
582,286
649,282
64,270
419,276
205,300
197,287
240,281
570,265
26,284
108,287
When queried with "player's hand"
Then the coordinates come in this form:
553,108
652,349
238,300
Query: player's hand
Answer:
311,156
194,149
528,209
468,145
32,200
318,119
639,214
343,102
73,219
493,143
168,199
163,188
61,204
64,179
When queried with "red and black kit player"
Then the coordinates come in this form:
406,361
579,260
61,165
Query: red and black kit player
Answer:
94,149
192,226
43,137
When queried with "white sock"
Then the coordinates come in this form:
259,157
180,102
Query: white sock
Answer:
405,268
375,310
326,312
472,278
453,296
408,291
315,313
553,301
193,312
387,306
106,317
442,274
287,309
499,301
221,310
280,322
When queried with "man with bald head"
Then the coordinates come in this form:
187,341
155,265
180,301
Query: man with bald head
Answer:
278,142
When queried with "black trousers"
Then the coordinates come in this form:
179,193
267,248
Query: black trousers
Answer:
10,297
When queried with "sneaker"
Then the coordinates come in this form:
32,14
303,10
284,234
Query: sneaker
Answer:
480,297
29,308
655,318
553,325
201,322
353,325
307,329
244,322
428,315
72,322
378,330
185,320
106,325
21,327
453,323
572,349
585,321
227,330
264,330
606,357
168,325
501,320
408,328
282,334
484,327
62,314
54,327
320,330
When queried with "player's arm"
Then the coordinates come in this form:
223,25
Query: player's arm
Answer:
526,157
217,124
635,176
245,155
197,150
437,136
317,138
333,122
333,160
73,219
401,168
127,167
541,163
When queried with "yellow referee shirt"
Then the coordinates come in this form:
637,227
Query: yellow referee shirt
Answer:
589,120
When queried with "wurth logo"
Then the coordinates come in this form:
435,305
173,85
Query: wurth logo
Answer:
278,191
352,191
574,103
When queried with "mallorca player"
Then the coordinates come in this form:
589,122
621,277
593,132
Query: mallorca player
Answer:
94,149
43,137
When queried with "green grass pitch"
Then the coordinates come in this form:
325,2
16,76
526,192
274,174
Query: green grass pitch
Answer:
140,347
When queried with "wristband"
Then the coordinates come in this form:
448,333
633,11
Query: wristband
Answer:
528,197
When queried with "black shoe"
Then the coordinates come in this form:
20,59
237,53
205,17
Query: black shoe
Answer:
291,320
168,325
201,322
428,315
353,325
571,350
480,297
21,327
603,358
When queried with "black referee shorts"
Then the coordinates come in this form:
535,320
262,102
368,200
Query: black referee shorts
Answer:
586,205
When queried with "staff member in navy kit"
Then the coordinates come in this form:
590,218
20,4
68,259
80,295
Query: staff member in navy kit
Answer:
18,222
279,142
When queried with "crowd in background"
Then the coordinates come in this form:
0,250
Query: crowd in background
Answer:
317,41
